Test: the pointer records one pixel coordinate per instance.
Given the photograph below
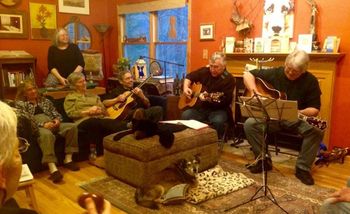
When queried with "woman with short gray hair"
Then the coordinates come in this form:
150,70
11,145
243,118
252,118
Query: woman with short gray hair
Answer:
90,115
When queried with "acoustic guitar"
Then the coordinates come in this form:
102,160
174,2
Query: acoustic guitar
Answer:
120,109
265,89
196,88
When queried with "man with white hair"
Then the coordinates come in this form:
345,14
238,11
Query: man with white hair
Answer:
299,85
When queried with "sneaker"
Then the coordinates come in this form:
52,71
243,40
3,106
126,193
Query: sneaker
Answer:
71,166
56,177
257,168
304,176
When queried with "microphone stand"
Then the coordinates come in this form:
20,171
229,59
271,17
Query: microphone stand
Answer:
165,63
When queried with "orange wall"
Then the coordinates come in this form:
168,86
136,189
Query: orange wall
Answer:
333,19
98,14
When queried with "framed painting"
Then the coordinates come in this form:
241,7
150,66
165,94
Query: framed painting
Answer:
43,20
74,6
13,24
10,3
206,31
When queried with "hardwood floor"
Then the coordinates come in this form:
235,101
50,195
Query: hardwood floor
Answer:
59,198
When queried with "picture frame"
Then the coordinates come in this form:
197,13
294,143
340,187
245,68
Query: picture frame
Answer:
43,20
207,31
11,3
13,24
74,6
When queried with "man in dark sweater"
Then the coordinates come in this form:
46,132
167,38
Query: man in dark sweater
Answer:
214,78
299,85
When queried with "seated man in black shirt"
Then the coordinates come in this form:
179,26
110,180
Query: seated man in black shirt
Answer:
214,78
121,95
300,85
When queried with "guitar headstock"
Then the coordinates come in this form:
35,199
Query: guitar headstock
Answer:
321,124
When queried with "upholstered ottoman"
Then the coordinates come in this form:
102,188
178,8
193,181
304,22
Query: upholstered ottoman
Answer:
137,161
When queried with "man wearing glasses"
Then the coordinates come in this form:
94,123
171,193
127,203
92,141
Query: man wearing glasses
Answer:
299,85
215,79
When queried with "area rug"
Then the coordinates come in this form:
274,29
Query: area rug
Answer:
290,194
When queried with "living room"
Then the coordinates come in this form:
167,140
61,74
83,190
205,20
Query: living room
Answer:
332,20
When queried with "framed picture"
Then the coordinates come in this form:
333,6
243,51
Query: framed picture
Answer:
10,3
74,6
42,20
13,24
206,31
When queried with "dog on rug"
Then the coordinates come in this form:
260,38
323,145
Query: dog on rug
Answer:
183,171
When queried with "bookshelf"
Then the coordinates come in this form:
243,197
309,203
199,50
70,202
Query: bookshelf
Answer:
15,66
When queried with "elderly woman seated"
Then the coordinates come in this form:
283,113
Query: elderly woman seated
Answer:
43,113
90,115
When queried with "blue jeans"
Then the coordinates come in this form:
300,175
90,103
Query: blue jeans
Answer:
216,118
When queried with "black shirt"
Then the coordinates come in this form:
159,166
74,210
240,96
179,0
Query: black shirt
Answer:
224,83
305,89
65,61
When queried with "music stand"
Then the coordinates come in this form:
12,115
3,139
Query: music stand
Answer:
266,109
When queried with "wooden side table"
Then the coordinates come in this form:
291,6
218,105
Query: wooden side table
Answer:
28,187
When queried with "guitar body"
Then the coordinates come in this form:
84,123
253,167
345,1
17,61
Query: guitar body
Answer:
118,110
266,90
184,101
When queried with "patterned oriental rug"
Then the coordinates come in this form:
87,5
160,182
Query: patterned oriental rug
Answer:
290,194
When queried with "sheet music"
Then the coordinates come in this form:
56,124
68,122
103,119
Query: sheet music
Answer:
194,124
277,109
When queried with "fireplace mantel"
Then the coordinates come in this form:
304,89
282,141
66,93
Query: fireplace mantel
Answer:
322,65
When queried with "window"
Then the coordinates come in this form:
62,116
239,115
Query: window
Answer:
161,35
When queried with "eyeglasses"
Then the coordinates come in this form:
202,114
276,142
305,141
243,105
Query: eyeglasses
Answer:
23,145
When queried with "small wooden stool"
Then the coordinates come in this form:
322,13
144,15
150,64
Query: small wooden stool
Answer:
28,187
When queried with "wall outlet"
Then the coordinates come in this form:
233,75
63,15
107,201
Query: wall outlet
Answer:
205,53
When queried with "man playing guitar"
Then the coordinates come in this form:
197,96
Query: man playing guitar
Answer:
126,98
300,85
214,78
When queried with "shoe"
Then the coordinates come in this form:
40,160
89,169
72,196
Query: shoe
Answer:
139,114
71,166
56,177
257,168
304,176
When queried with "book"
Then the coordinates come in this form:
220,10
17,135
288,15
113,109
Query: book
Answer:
305,42
175,194
331,44
26,174
258,45
193,124
229,44
248,45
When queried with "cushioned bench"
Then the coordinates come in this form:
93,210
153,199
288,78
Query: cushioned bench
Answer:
137,161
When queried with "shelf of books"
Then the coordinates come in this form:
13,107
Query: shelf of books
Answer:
15,66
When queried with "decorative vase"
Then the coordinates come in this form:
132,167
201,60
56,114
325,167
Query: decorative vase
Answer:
44,32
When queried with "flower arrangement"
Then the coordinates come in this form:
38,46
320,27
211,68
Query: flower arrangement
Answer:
123,64
43,15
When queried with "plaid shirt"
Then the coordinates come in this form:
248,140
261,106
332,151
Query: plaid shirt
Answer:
27,109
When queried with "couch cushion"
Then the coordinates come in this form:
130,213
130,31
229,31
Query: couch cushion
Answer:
149,149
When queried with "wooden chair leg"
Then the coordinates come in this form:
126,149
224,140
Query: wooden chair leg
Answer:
31,196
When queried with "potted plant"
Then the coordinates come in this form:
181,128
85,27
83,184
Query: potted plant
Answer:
121,65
